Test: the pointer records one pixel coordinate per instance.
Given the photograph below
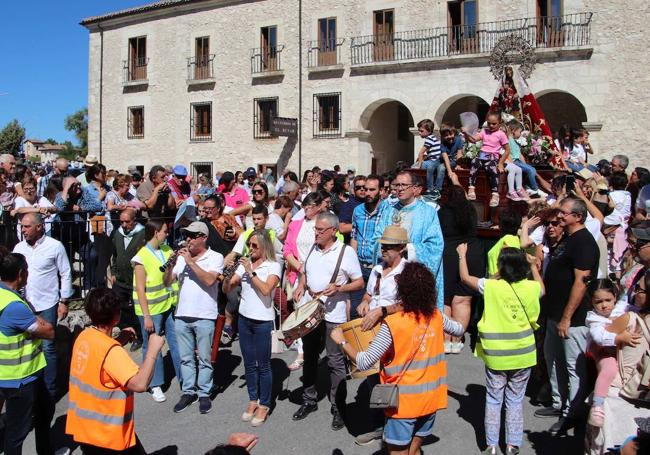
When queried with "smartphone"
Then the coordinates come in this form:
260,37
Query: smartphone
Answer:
570,184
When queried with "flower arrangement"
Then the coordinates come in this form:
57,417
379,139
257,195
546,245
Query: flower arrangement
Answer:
471,151
536,148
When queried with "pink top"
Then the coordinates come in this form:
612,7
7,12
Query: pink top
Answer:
493,141
237,199
290,245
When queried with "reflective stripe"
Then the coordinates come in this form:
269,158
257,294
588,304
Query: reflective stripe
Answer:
101,394
506,336
92,415
160,299
421,388
507,352
24,359
416,365
160,287
16,345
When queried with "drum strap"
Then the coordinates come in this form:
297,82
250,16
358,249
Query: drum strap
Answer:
334,275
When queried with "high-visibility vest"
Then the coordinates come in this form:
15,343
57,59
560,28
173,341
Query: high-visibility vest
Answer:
506,337
20,355
493,255
98,415
160,298
247,233
423,387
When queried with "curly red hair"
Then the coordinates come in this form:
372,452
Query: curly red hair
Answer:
416,289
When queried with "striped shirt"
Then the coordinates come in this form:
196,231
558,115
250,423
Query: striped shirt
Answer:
432,146
363,230
384,340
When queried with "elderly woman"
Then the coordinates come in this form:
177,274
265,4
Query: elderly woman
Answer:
31,203
410,347
258,277
103,378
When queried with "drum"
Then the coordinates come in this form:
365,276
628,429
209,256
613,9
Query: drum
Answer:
360,340
303,320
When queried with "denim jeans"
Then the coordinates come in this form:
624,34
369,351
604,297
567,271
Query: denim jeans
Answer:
163,325
195,334
255,343
512,384
556,365
575,348
530,173
31,399
437,168
49,349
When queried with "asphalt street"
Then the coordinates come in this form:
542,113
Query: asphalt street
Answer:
457,430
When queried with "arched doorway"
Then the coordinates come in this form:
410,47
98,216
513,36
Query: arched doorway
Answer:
389,123
451,109
561,108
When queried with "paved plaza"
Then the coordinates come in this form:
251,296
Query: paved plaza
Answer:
457,430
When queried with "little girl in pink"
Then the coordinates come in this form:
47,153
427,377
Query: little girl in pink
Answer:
603,293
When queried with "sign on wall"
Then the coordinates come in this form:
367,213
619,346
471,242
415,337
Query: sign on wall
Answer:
284,126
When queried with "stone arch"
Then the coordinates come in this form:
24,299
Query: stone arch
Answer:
449,110
560,108
389,123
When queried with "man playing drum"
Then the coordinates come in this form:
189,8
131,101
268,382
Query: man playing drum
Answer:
380,295
331,284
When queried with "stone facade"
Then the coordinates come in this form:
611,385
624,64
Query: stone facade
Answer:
605,77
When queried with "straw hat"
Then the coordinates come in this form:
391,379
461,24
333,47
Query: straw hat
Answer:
394,235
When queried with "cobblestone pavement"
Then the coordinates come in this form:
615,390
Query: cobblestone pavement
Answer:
457,430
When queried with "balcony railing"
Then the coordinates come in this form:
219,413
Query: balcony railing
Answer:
135,69
266,59
541,32
200,68
324,53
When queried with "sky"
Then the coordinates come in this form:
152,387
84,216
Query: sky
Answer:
44,61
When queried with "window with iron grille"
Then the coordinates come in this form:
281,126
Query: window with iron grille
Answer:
135,122
201,167
201,121
264,110
327,115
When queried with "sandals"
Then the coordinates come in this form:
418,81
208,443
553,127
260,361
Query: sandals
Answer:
494,201
261,414
297,364
247,416
471,194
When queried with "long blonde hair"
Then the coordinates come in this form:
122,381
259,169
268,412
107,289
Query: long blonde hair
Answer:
266,244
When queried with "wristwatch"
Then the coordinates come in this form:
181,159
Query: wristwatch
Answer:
384,312
254,274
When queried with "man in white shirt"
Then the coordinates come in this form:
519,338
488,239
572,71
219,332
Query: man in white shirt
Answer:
316,282
48,263
198,271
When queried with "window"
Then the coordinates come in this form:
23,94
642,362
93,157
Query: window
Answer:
201,122
269,48
264,109
462,20
384,28
327,41
201,167
549,23
202,69
135,122
137,66
327,115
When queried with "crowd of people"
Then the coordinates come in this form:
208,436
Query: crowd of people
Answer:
195,262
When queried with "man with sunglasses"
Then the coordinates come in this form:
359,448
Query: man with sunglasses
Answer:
347,208
198,271
565,343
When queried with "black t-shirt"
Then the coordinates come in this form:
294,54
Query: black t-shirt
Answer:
578,251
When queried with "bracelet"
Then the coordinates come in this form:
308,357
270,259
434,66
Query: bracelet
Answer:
384,312
460,258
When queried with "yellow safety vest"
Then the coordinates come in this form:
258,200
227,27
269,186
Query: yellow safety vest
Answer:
20,355
160,298
493,255
506,337
247,233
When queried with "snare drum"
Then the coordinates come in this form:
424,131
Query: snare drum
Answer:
360,340
303,320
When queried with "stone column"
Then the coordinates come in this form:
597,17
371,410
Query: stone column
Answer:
361,150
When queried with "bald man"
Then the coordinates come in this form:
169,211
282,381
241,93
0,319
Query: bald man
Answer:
60,168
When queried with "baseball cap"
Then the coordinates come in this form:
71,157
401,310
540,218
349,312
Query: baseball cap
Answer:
196,227
250,172
179,169
131,169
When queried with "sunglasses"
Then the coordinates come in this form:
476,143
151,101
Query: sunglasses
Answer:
258,191
254,245
193,235
555,223
359,188
391,247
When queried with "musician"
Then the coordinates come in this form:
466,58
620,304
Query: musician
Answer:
198,271
258,277
153,301
316,282
381,293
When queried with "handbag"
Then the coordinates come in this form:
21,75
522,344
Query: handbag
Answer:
386,396
634,364
533,326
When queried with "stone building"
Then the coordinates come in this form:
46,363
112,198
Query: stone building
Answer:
199,81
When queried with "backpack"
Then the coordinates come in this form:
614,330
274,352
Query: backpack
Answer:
634,363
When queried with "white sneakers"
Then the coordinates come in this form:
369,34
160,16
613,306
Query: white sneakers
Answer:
157,395
453,347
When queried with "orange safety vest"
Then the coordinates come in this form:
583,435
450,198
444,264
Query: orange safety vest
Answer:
97,415
423,387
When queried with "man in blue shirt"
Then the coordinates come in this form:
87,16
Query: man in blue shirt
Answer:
22,361
364,220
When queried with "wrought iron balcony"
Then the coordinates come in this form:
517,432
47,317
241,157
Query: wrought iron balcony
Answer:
266,59
135,70
324,53
200,68
541,32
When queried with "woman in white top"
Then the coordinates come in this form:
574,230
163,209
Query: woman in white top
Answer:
31,203
258,276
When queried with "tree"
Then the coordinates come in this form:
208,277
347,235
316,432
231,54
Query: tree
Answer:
49,140
78,122
70,152
12,137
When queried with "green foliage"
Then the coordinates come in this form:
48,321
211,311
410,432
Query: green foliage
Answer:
12,137
70,152
49,140
78,123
